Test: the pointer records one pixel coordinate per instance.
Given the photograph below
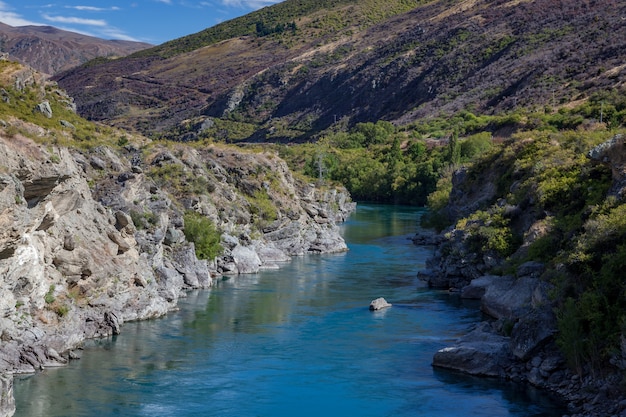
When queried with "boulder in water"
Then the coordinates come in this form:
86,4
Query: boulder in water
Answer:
379,304
482,352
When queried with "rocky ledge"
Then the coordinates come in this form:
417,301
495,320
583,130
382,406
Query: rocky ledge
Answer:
517,342
92,239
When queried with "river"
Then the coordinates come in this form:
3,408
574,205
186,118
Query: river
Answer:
298,341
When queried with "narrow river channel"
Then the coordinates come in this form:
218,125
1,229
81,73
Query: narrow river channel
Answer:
299,341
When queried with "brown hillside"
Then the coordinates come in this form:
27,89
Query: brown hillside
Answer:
441,56
50,50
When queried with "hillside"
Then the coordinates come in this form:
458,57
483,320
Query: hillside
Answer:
50,50
534,228
290,71
99,226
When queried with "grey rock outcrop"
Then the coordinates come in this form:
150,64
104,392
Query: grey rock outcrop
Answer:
45,109
611,153
67,124
457,267
509,298
481,352
379,304
246,259
477,288
90,240
25,77
532,332
518,302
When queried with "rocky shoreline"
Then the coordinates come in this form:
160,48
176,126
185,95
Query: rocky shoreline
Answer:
516,341
91,239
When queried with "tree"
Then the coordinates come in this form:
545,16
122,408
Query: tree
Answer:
202,232
454,149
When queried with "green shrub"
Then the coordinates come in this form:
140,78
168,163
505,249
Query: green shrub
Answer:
437,202
61,310
262,207
489,231
202,232
475,145
571,338
544,248
143,220
593,315
49,297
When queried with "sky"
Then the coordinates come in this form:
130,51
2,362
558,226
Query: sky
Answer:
151,21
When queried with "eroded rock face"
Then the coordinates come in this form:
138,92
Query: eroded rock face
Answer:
67,272
265,214
481,352
612,153
90,240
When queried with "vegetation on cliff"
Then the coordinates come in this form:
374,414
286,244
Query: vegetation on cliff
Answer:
485,113
538,196
25,93
519,186
99,225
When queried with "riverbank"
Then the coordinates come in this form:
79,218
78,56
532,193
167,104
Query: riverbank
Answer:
517,342
534,229
95,238
299,340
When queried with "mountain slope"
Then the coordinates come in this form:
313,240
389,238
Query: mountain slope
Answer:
50,50
291,70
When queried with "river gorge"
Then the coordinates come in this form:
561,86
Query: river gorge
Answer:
299,340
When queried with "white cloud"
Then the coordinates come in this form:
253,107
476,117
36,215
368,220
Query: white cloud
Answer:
164,1
114,33
102,33
93,9
249,4
102,28
7,16
75,20
90,27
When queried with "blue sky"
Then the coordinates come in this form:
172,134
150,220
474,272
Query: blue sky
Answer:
152,21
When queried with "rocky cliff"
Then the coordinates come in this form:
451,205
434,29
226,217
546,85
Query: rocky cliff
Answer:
95,236
521,289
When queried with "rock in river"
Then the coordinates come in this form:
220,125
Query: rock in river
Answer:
481,352
379,304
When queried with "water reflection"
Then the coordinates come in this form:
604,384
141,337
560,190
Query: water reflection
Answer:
297,341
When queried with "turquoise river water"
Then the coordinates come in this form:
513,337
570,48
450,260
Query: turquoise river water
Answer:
299,341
